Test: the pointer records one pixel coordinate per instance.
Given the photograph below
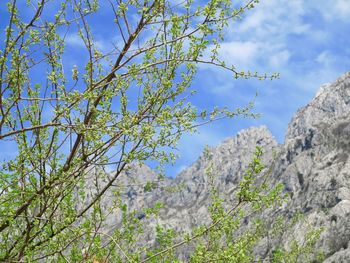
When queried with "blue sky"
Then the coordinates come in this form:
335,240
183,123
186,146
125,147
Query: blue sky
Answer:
306,41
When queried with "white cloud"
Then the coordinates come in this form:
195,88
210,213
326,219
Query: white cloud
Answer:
325,58
334,10
279,59
260,41
74,40
342,7
277,17
264,56
282,36
241,54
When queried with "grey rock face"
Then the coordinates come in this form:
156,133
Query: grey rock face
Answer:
188,207
313,164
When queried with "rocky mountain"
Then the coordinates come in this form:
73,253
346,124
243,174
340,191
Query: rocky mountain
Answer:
313,164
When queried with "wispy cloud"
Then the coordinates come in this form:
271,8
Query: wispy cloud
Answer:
326,58
274,17
74,40
241,53
334,10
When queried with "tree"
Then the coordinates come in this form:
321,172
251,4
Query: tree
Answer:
115,107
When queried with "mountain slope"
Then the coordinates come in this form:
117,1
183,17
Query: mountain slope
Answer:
313,164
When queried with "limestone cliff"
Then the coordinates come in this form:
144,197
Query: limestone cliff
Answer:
313,164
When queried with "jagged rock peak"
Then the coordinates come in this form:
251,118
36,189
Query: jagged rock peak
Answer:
243,144
143,172
261,135
331,103
245,138
245,141
233,154
339,82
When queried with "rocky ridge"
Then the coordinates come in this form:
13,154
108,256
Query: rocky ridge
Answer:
313,164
